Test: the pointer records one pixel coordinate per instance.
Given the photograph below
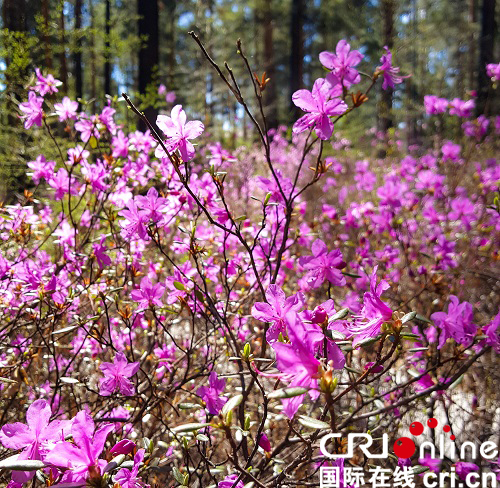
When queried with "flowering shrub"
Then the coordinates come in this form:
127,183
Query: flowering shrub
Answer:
181,315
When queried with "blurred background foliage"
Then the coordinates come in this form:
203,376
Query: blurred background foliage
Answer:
100,48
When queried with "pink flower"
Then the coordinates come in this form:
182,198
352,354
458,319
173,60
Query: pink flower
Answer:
46,84
229,481
493,71
342,63
390,72
435,105
127,478
320,108
32,109
323,266
451,152
116,376
135,221
178,133
81,457
211,394
33,437
66,109
462,108
148,294
42,169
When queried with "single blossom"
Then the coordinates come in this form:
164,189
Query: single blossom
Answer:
116,376
456,323
275,310
323,266
389,72
66,109
229,481
33,437
435,105
374,312
32,109
81,458
342,63
148,294
178,132
319,107
492,331
493,71
211,394
127,478
46,84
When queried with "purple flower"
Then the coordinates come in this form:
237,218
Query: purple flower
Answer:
88,127
46,84
342,63
435,105
211,394
228,482
390,72
431,463
178,133
297,360
462,108
148,294
135,221
116,376
103,259
493,71
275,310
374,312
125,446
264,442
323,266
81,458
451,152
32,109
42,169
33,437
456,323
153,204
127,478
464,468
66,109
320,108
62,184
492,331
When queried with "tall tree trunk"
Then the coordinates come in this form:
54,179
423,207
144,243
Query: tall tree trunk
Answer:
297,54
93,61
472,46
107,48
269,66
170,42
149,52
486,45
62,56
46,38
77,55
388,8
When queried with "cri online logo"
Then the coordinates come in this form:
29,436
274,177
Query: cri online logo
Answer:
405,448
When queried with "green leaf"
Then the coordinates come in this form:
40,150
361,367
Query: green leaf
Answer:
188,406
202,438
241,218
179,285
231,404
189,427
411,337
313,423
179,477
422,318
339,315
351,275
93,142
287,392
456,382
13,464
409,316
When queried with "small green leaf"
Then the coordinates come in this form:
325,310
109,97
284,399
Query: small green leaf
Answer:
179,477
339,315
287,392
351,275
189,427
231,404
188,406
14,464
241,218
202,438
422,318
93,142
313,423
179,285
409,316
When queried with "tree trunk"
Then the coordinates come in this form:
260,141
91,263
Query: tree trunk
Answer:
107,48
77,55
271,109
297,54
45,35
486,45
62,56
388,8
149,51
